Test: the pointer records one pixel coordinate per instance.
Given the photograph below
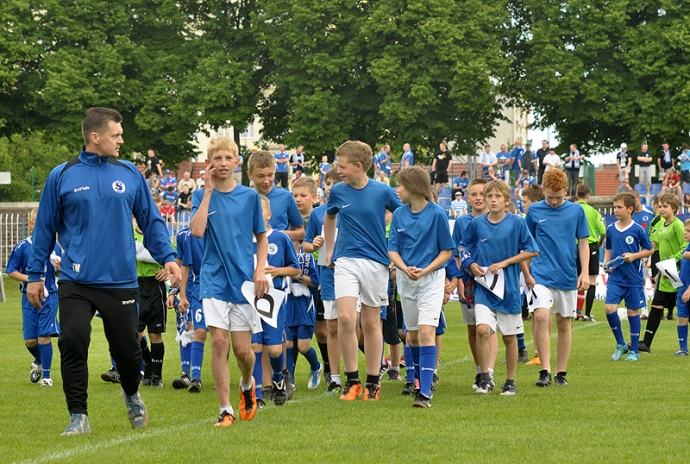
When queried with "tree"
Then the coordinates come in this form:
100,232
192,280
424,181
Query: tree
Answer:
322,94
20,154
603,72
436,64
73,56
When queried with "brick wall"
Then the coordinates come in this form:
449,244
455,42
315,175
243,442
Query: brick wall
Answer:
606,180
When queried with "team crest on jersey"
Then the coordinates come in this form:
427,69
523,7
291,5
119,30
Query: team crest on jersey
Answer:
645,218
272,249
119,186
629,239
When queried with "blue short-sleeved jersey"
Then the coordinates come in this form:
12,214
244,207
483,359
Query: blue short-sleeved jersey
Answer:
281,155
170,196
643,218
284,212
301,309
326,274
419,237
324,167
407,156
281,253
555,231
19,260
233,219
632,239
493,243
452,271
190,251
362,220
517,154
684,274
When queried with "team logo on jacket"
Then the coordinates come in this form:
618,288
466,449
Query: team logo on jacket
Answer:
119,186
629,239
272,249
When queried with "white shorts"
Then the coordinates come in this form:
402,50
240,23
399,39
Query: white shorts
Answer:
330,310
508,324
563,302
230,316
468,314
421,300
362,277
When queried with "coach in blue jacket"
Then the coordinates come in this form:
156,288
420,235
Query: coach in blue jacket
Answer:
89,202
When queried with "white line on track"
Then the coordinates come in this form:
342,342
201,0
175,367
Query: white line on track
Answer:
87,448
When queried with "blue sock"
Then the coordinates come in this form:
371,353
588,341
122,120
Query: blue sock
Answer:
35,352
258,375
682,338
290,363
47,356
310,355
112,361
415,360
196,359
615,324
186,358
409,364
521,341
427,362
635,328
277,367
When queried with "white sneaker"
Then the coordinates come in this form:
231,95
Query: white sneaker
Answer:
315,378
35,373
46,382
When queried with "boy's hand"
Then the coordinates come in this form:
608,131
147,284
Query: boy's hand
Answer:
628,257
529,281
495,267
476,270
329,259
409,273
183,305
318,242
260,284
448,288
162,275
170,302
208,181
461,290
36,294
582,282
446,298
272,271
418,273
686,295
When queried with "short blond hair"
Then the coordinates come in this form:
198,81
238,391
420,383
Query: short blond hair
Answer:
355,152
265,203
499,185
221,143
307,182
260,159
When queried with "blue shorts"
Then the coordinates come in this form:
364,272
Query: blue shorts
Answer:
634,296
40,323
682,309
271,335
301,332
196,312
440,330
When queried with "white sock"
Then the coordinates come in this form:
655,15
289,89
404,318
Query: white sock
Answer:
227,408
245,387
335,378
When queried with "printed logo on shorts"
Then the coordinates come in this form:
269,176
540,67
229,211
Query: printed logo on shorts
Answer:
272,249
128,302
119,186
542,220
629,239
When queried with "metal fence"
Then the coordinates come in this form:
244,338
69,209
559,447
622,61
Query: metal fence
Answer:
14,227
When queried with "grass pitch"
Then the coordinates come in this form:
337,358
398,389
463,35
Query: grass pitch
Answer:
611,411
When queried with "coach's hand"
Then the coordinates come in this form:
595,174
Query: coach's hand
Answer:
582,283
173,269
35,292
162,275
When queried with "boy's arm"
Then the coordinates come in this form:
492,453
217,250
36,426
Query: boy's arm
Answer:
200,216
583,278
607,256
296,234
329,223
260,280
439,261
630,257
518,258
679,231
287,271
400,264
183,306
18,276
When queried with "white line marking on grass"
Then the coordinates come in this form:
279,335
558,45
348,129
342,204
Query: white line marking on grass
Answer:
86,448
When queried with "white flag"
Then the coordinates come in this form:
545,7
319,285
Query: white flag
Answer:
668,268
268,306
492,282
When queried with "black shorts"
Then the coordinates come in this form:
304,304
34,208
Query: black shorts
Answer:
664,299
441,177
655,259
390,326
152,312
398,314
319,309
282,179
593,260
